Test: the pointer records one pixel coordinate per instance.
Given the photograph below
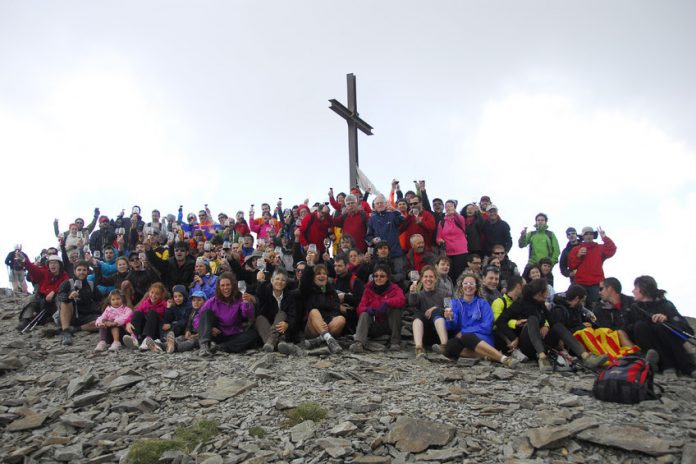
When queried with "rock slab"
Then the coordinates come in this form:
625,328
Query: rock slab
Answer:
626,437
417,435
225,388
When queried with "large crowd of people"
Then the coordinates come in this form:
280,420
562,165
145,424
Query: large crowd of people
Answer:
351,268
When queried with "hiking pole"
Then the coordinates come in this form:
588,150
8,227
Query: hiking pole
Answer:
34,322
684,335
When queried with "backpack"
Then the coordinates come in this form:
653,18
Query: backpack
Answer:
628,380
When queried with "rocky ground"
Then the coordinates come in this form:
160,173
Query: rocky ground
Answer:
70,404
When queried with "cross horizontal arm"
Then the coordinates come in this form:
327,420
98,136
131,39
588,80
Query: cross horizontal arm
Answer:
346,114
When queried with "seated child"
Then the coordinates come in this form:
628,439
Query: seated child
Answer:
189,340
112,322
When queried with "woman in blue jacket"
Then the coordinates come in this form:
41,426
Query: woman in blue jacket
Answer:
472,317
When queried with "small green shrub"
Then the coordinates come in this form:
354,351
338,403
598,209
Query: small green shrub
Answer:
257,432
149,450
305,411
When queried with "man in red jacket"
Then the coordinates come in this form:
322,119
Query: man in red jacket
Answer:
587,260
315,227
418,221
354,222
47,279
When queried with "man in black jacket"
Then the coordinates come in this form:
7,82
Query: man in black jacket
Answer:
350,290
573,241
496,231
178,270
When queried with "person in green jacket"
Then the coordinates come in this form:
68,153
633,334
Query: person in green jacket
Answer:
542,242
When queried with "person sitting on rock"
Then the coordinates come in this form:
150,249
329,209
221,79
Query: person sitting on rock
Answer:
321,305
444,281
428,322
144,327
78,303
379,311
275,313
350,290
178,311
534,331
112,322
471,317
646,327
189,340
226,319
47,279
203,278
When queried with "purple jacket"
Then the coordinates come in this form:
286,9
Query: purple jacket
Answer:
230,316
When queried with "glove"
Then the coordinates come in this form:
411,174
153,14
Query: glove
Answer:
371,311
383,309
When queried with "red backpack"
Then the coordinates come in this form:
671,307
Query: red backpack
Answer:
628,380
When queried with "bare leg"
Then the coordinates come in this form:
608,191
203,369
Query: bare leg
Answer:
624,339
89,327
486,350
336,325
116,334
316,323
66,313
441,330
418,330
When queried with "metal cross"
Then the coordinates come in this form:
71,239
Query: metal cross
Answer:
351,116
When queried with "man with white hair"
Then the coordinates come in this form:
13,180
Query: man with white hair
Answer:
383,226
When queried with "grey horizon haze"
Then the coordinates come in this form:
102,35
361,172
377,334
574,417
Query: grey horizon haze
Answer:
581,110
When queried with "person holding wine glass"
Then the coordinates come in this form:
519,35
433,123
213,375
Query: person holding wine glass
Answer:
428,322
471,317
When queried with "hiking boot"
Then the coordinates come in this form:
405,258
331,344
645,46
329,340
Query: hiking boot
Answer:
204,350
101,346
268,348
594,360
544,364
67,338
288,349
310,343
519,356
115,346
652,357
153,345
144,344
356,347
214,348
395,347
171,342
420,352
334,346
73,329
130,341
439,349
509,361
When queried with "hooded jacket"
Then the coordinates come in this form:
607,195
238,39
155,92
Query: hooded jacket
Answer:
590,267
542,244
178,315
392,298
46,281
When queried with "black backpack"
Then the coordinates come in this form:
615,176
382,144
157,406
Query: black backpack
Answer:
628,380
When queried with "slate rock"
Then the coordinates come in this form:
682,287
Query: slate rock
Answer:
303,431
342,429
225,388
689,454
416,435
441,455
372,460
502,373
32,421
545,436
626,437
77,421
88,398
77,384
335,447
69,453
137,405
124,381
170,374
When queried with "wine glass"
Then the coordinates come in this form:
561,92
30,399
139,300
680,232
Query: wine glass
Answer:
414,276
447,303
327,243
241,285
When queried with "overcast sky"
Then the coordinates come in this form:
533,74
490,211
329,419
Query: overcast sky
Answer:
582,110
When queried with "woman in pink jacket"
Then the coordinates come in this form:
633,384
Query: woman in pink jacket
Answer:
380,310
451,233
147,319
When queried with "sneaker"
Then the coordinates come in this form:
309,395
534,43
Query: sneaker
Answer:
144,344
204,350
288,349
509,361
334,347
420,352
214,348
101,346
115,346
544,364
439,349
130,341
519,356
356,347
652,357
67,338
153,345
171,342
310,343
74,329
50,332
594,360
268,348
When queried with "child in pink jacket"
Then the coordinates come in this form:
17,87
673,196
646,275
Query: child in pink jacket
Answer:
112,321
